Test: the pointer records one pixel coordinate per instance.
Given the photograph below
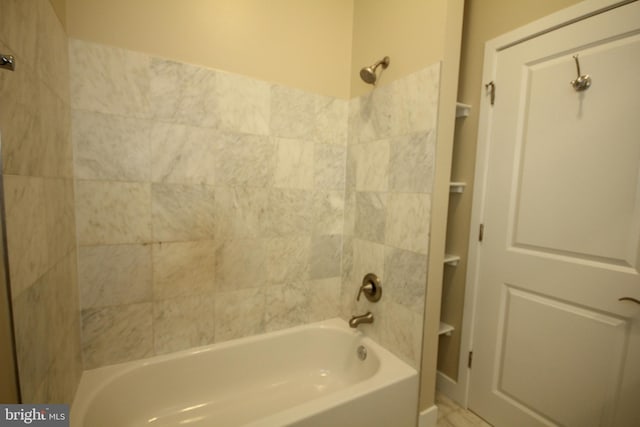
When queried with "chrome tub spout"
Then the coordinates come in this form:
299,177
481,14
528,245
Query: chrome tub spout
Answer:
363,318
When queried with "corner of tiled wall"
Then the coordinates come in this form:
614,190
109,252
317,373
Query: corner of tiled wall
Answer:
39,198
390,168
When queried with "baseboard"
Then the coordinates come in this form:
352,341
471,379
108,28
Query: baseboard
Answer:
452,389
428,417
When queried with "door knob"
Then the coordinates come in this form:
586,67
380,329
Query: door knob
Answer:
629,299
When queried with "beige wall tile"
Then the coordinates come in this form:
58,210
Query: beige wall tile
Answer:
182,212
116,334
324,299
62,281
22,129
183,269
289,213
35,129
422,110
55,122
46,322
245,160
371,165
26,230
182,323
405,278
182,93
60,214
244,104
182,154
350,212
33,338
374,116
239,313
113,212
293,113
294,164
285,306
371,215
66,369
328,212
401,331
287,259
411,164
109,80
347,260
329,167
240,212
109,147
325,256
331,120
114,275
240,264
64,331
407,225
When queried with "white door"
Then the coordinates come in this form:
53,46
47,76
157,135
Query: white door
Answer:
552,343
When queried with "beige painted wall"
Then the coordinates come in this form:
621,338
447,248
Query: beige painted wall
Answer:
60,8
313,45
410,32
483,21
301,43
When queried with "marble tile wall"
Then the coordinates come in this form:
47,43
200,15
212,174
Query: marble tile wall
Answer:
209,206
390,165
39,200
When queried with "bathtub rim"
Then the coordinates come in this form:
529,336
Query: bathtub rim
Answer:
392,370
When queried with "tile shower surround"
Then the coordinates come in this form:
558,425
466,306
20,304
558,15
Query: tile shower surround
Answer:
39,200
390,165
211,206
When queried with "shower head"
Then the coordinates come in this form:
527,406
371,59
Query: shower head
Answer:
368,74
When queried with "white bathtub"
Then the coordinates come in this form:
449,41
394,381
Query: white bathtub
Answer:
305,376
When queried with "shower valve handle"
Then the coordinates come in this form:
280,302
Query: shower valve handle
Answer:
371,288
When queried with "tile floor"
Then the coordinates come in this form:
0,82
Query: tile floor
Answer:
450,414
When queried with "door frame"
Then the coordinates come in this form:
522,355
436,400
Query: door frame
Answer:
459,390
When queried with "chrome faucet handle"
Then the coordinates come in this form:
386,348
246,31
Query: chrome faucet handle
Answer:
371,288
367,289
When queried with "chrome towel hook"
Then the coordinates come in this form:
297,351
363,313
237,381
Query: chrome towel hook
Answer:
583,82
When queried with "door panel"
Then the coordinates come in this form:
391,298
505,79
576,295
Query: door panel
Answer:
554,347
570,160
552,343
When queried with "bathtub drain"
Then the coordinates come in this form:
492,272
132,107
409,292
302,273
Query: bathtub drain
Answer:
362,352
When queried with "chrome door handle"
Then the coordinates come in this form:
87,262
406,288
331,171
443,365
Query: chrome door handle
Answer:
629,299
